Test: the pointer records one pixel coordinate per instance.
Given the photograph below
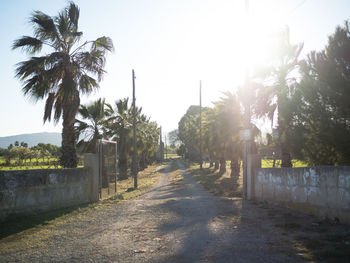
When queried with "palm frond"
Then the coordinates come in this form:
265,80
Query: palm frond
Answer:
35,65
44,26
36,87
58,109
48,106
87,84
73,12
30,45
62,23
103,44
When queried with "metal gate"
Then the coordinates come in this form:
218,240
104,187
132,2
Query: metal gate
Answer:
108,168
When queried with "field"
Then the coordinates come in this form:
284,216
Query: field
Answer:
40,163
171,155
267,163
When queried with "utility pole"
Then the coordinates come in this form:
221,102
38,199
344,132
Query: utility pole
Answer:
161,146
166,150
134,157
246,121
200,125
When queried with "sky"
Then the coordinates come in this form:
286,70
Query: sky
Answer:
171,45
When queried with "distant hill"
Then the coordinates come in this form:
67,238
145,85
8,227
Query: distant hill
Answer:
32,139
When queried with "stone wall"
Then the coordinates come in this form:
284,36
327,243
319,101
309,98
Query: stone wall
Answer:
322,191
33,191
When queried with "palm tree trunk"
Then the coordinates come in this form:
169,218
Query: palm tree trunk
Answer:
285,156
216,166
222,165
211,159
69,157
234,168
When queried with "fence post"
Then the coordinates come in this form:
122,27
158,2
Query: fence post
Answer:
91,161
253,163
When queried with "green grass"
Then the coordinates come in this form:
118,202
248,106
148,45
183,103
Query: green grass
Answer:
27,161
41,163
16,168
172,155
267,163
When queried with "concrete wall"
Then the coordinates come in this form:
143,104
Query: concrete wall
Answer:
322,191
33,191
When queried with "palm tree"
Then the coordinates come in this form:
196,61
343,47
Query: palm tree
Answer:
92,128
62,76
222,124
274,98
119,126
147,140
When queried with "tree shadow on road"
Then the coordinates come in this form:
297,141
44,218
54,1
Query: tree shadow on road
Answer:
17,224
207,228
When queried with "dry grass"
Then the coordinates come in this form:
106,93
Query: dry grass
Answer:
216,183
312,239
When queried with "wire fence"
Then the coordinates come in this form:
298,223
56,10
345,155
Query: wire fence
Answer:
108,168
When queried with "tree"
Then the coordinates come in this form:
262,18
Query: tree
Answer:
62,76
323,95
118,126
220,129
24,144
221,132
274,96
147,140
91,129
173,138
189,132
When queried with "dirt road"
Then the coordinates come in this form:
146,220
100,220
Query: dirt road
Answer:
174,222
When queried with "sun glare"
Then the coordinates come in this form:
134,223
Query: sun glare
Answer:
261,27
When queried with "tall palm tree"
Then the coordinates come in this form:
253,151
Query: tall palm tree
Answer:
275,96
62,76
90,128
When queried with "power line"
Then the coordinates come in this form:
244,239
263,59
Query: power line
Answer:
296,7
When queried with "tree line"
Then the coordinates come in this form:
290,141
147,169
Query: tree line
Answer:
19,154
306,100
101,120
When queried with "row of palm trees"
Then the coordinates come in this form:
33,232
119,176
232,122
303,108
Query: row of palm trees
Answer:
267,92
306,100
101,120
220,133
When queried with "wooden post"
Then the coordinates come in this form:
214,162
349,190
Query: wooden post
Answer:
200,125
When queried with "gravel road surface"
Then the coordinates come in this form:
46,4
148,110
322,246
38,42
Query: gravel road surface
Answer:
177,221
